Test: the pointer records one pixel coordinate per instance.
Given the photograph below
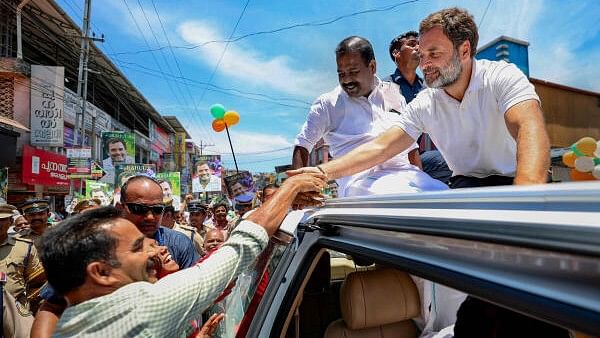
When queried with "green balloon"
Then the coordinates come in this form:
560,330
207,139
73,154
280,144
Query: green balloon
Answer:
596,161
217,111
576,151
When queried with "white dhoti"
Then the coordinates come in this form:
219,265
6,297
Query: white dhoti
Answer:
380,181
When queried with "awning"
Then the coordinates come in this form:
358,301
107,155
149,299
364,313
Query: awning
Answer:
13,123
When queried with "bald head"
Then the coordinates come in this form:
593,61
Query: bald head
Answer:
141,198
213,239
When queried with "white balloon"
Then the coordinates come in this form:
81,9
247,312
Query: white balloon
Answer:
597,152
584,164
596,172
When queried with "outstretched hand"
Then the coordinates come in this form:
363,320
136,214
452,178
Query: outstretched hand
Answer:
304,170
208,329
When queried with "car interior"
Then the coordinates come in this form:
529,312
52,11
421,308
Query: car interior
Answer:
342,296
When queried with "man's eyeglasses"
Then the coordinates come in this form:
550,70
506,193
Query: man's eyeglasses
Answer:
142,209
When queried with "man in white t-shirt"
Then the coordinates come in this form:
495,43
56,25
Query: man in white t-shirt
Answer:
359,109
484,116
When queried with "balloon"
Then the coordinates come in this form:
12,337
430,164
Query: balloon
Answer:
584,164
217,110
596,172
579,176
586,146
231,117
597,152
218,125
569,159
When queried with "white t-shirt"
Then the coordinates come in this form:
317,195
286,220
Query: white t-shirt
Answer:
472,134
346,122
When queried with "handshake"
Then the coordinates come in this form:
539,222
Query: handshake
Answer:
310,181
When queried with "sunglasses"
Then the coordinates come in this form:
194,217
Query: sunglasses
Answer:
142,209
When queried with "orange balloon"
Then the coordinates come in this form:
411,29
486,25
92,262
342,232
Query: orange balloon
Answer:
231,118
218,125
586,146
579,176
569,159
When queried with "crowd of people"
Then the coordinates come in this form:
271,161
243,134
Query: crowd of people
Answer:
148,267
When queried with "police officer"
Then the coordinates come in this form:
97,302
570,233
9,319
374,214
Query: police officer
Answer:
195,230
188,231
37,212
19,260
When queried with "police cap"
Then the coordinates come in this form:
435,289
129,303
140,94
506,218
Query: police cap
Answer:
197,206
7,210
32,206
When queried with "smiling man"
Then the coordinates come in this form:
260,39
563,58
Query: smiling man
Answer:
354,113
104,266
142,204
484,116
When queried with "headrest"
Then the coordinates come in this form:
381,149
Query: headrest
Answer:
378,297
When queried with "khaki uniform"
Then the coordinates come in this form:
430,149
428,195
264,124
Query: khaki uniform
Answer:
15,322
191,233
19,260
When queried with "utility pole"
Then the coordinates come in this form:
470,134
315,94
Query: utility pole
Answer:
204,145
82,77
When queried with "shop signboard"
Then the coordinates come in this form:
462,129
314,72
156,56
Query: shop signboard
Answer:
79,162
47,93
44,167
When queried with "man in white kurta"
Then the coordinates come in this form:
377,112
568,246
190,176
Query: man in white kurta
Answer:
356,112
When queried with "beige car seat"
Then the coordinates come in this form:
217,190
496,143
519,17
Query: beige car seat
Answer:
377,303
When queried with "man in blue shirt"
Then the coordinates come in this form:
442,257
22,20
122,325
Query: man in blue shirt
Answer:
142,204
404,51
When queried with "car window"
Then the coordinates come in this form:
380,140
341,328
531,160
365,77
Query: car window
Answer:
239,301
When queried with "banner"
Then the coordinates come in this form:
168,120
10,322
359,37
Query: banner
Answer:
79,162
207,174
44,167
47,93
124,171
171,184
117,148
240,183
180,149
3,183
99,190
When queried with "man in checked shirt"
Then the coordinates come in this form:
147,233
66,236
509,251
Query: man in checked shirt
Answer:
104,266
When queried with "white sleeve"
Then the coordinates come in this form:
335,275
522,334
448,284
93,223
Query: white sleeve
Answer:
316,125
410,120
510,86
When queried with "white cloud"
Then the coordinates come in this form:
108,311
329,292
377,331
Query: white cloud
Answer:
243,141
244,63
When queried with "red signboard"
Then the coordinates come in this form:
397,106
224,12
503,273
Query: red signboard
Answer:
43,167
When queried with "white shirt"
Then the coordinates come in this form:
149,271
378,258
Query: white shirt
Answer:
346,122
214,184
472,134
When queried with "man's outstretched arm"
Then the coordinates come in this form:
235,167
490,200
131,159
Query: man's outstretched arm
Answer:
385,146
525,122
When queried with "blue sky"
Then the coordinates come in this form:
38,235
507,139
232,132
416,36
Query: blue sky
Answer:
270,79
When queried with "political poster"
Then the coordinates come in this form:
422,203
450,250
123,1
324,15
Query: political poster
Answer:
240,183
124,171
171,185
99,190
207,174
118,147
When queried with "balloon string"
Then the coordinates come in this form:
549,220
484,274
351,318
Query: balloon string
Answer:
232,152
